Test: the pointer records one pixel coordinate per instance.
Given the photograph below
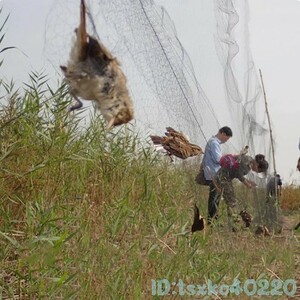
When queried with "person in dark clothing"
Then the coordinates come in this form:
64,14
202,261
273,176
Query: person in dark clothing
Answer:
274,186
237,166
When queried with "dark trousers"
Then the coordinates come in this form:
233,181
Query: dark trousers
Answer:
213,202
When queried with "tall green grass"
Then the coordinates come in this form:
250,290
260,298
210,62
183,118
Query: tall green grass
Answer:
90,214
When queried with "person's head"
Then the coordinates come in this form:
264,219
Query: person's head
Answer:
224,134
259,164
298,165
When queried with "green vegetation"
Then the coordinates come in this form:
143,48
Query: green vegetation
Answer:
87,214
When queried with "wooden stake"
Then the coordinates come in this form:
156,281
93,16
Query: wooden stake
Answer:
270,129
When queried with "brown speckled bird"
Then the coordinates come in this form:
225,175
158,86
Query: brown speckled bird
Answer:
246,217
175,143
92,73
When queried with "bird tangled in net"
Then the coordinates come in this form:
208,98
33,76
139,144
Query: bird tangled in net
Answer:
175,143
94,74
246,217
198,223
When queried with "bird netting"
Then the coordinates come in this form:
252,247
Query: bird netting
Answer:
244,97
159,72
162,80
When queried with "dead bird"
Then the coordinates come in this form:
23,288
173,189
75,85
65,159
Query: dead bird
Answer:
175,143
246,217
198,224
92,73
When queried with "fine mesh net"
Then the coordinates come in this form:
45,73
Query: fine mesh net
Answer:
163,81
160,75
245,99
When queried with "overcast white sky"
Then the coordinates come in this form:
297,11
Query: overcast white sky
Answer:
274,40
275,43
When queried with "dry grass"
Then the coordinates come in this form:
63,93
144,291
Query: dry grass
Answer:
290,199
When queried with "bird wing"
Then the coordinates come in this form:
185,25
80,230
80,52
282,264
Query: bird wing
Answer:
177,147
157,139
196,150
177,134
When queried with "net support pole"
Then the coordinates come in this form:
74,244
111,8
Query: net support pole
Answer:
271,135
269,122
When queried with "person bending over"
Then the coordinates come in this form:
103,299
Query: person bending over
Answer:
236,166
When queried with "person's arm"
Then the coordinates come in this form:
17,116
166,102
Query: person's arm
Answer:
248,183
245,169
